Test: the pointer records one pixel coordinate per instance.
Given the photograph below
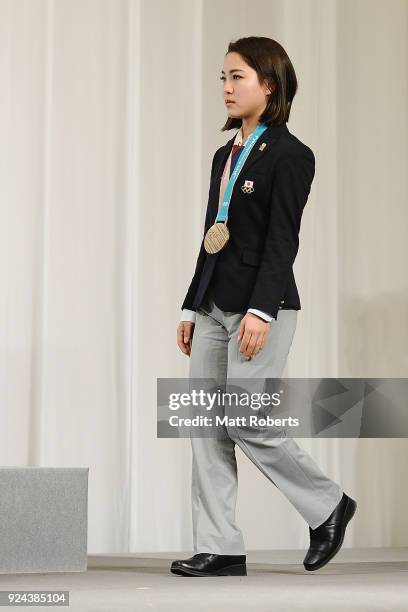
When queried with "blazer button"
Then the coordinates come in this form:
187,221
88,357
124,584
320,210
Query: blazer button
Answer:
282,301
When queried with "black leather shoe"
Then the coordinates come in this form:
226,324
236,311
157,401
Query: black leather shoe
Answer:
327,538
208,564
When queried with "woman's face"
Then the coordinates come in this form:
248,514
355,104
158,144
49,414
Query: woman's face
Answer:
241,86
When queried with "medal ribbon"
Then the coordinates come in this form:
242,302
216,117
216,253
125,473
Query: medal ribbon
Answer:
223,210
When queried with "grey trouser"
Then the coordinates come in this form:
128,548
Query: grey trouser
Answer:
215,354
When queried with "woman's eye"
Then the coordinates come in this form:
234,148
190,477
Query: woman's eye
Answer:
235,75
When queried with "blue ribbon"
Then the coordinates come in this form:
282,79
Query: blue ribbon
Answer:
223,211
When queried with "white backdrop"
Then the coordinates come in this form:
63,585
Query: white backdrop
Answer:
110,114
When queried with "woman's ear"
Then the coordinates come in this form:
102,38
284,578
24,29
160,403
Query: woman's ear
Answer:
269,88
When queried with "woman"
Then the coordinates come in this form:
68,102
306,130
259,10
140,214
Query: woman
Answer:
241,309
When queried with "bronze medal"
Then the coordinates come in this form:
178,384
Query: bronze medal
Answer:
216,237
218,234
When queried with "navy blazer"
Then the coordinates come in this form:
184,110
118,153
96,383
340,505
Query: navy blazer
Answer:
255,267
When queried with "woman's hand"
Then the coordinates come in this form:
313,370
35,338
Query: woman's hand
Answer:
185,331
254,331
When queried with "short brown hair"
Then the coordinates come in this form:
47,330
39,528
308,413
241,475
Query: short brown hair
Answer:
272,64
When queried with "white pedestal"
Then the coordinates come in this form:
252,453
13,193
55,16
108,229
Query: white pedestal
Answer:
43,519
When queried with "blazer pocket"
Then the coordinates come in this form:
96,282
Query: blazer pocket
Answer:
251,257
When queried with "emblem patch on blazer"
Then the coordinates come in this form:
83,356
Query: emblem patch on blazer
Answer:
248,187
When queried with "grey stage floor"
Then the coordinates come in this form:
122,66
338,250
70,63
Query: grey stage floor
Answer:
370,579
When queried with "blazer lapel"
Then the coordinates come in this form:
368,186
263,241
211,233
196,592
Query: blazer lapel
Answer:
223,160
269,135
